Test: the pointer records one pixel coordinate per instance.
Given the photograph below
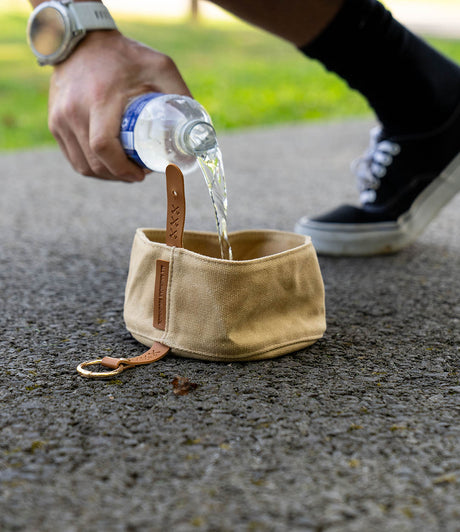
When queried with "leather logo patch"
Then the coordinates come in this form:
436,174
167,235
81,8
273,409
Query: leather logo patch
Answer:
160,294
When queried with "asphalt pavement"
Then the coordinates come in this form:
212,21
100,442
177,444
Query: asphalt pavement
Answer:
360,432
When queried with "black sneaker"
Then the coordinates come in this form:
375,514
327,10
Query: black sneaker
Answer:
404,181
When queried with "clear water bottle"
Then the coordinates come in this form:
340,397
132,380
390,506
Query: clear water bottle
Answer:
158,129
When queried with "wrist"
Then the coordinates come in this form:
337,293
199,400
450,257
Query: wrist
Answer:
95,44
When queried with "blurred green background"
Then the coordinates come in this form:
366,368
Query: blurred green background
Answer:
243,76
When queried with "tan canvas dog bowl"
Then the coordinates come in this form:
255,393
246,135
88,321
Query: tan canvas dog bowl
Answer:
266,302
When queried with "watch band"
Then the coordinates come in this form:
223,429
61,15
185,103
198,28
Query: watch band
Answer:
93,16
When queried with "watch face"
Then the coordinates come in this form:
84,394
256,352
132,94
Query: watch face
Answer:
48,31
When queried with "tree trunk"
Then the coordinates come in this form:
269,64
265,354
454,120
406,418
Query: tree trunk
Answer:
194,10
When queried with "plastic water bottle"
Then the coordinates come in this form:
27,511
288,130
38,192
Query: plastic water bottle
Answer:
158,129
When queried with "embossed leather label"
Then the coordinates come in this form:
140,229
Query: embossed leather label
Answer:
160,294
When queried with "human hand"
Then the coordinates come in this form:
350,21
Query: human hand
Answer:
89,92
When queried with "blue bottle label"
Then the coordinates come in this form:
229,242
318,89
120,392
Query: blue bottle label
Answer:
128,124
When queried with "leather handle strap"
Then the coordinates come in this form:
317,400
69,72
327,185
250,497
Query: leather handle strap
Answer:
175,220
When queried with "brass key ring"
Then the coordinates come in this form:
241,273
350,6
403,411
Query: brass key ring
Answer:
99,374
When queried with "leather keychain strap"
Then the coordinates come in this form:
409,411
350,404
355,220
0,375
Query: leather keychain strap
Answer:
175,222
117,365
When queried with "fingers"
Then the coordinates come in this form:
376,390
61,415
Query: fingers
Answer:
91,144
104,145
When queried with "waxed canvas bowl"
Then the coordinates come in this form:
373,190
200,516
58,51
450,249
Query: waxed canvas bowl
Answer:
266,302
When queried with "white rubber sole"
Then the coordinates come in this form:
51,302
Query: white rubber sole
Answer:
385,237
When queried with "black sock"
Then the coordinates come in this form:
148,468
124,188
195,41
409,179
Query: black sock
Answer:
411,87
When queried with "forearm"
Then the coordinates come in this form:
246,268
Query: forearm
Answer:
297,21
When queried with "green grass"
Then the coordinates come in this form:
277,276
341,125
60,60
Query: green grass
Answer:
243,76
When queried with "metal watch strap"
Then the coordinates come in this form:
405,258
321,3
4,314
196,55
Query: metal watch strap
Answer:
93,16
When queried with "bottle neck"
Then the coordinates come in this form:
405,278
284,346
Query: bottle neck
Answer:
197,137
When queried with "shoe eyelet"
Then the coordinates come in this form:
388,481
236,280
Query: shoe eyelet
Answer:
378,170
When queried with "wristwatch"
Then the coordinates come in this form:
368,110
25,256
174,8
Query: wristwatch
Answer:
55,28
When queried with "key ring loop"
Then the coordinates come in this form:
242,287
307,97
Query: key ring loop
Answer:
98,374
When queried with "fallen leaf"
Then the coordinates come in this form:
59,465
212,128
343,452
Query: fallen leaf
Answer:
182,385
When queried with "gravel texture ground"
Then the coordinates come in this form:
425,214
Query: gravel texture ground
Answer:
360,432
